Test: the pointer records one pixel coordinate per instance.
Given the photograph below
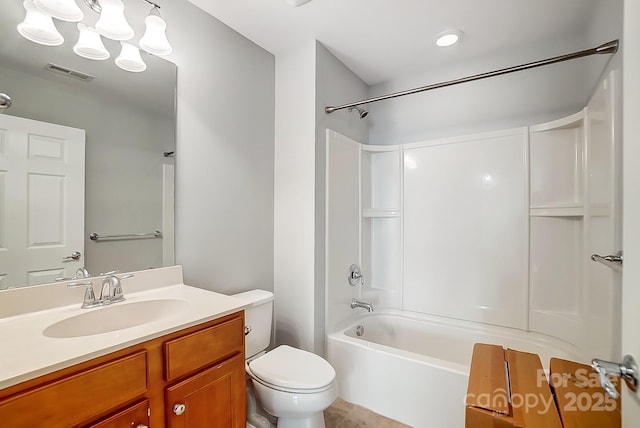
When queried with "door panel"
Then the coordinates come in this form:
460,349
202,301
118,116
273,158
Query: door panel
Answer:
41,200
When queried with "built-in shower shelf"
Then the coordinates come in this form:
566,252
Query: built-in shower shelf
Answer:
380,212
564,210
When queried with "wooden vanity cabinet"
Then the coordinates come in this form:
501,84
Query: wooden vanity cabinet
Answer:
211,398
200,367
135,416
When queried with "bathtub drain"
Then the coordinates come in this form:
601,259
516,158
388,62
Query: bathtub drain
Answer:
359,330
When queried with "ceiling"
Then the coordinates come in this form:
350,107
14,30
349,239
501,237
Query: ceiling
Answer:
381,40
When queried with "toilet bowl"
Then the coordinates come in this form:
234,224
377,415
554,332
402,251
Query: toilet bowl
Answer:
293,385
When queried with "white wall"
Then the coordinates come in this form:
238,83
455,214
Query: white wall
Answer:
307,79
224,153
294,197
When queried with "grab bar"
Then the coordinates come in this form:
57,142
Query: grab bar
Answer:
95,237
614,262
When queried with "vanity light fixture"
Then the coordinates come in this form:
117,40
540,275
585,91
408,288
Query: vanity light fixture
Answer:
112,24
39,27
90,44
130,59
448,38
64,10
155,40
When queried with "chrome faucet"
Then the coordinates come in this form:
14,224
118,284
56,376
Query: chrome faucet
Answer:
89,300
112,288
82,272
111,291
109,283
358,304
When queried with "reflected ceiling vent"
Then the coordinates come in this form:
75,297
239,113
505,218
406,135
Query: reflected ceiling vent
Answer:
69,72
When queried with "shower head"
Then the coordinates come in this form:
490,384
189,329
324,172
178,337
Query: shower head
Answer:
5,101
363,113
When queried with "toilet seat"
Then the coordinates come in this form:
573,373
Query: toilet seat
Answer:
292,370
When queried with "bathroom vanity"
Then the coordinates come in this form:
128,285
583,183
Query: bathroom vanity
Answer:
184,368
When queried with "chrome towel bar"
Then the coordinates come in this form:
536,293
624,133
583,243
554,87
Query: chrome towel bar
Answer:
95,237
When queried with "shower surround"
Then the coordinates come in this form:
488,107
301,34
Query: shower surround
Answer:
493,229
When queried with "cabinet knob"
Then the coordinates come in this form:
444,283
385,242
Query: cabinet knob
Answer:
179,409
142,426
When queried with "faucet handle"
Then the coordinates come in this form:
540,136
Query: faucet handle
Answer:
89,300
355,275
82,272
80,284
628,371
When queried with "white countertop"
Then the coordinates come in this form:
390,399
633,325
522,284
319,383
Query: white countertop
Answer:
26,353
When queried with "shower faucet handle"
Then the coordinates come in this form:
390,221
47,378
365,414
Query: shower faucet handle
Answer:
355,275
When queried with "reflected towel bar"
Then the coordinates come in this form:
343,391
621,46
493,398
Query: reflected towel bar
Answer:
614,262
95,237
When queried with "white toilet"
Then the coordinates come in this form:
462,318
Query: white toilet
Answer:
291,384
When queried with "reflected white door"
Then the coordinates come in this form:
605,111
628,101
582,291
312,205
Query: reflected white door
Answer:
631,198
41,201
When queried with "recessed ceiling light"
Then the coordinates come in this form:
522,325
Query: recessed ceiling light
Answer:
448,38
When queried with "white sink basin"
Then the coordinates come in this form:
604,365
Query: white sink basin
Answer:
118,316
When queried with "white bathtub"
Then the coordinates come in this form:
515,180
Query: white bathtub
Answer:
415,369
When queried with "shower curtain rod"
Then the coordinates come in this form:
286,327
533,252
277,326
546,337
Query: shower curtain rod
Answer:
606,48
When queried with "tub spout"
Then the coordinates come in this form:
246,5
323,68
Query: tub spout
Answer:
357,304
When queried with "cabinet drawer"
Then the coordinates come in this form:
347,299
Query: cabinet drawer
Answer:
78,397
132,417
196,350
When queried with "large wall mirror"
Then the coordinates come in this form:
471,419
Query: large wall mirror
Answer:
129,140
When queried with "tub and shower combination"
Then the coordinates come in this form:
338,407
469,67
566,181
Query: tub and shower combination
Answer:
470,227
415,369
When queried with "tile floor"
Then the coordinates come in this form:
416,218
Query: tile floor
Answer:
342,414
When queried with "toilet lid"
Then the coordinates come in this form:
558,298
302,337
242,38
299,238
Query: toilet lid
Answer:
293,368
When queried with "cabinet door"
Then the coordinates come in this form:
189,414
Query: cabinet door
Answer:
136,416
214,397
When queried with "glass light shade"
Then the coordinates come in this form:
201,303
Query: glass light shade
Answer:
38,27
130,59
155,40
112,23
64,10
90,44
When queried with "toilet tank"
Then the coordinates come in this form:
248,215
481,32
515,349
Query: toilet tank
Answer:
258,319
